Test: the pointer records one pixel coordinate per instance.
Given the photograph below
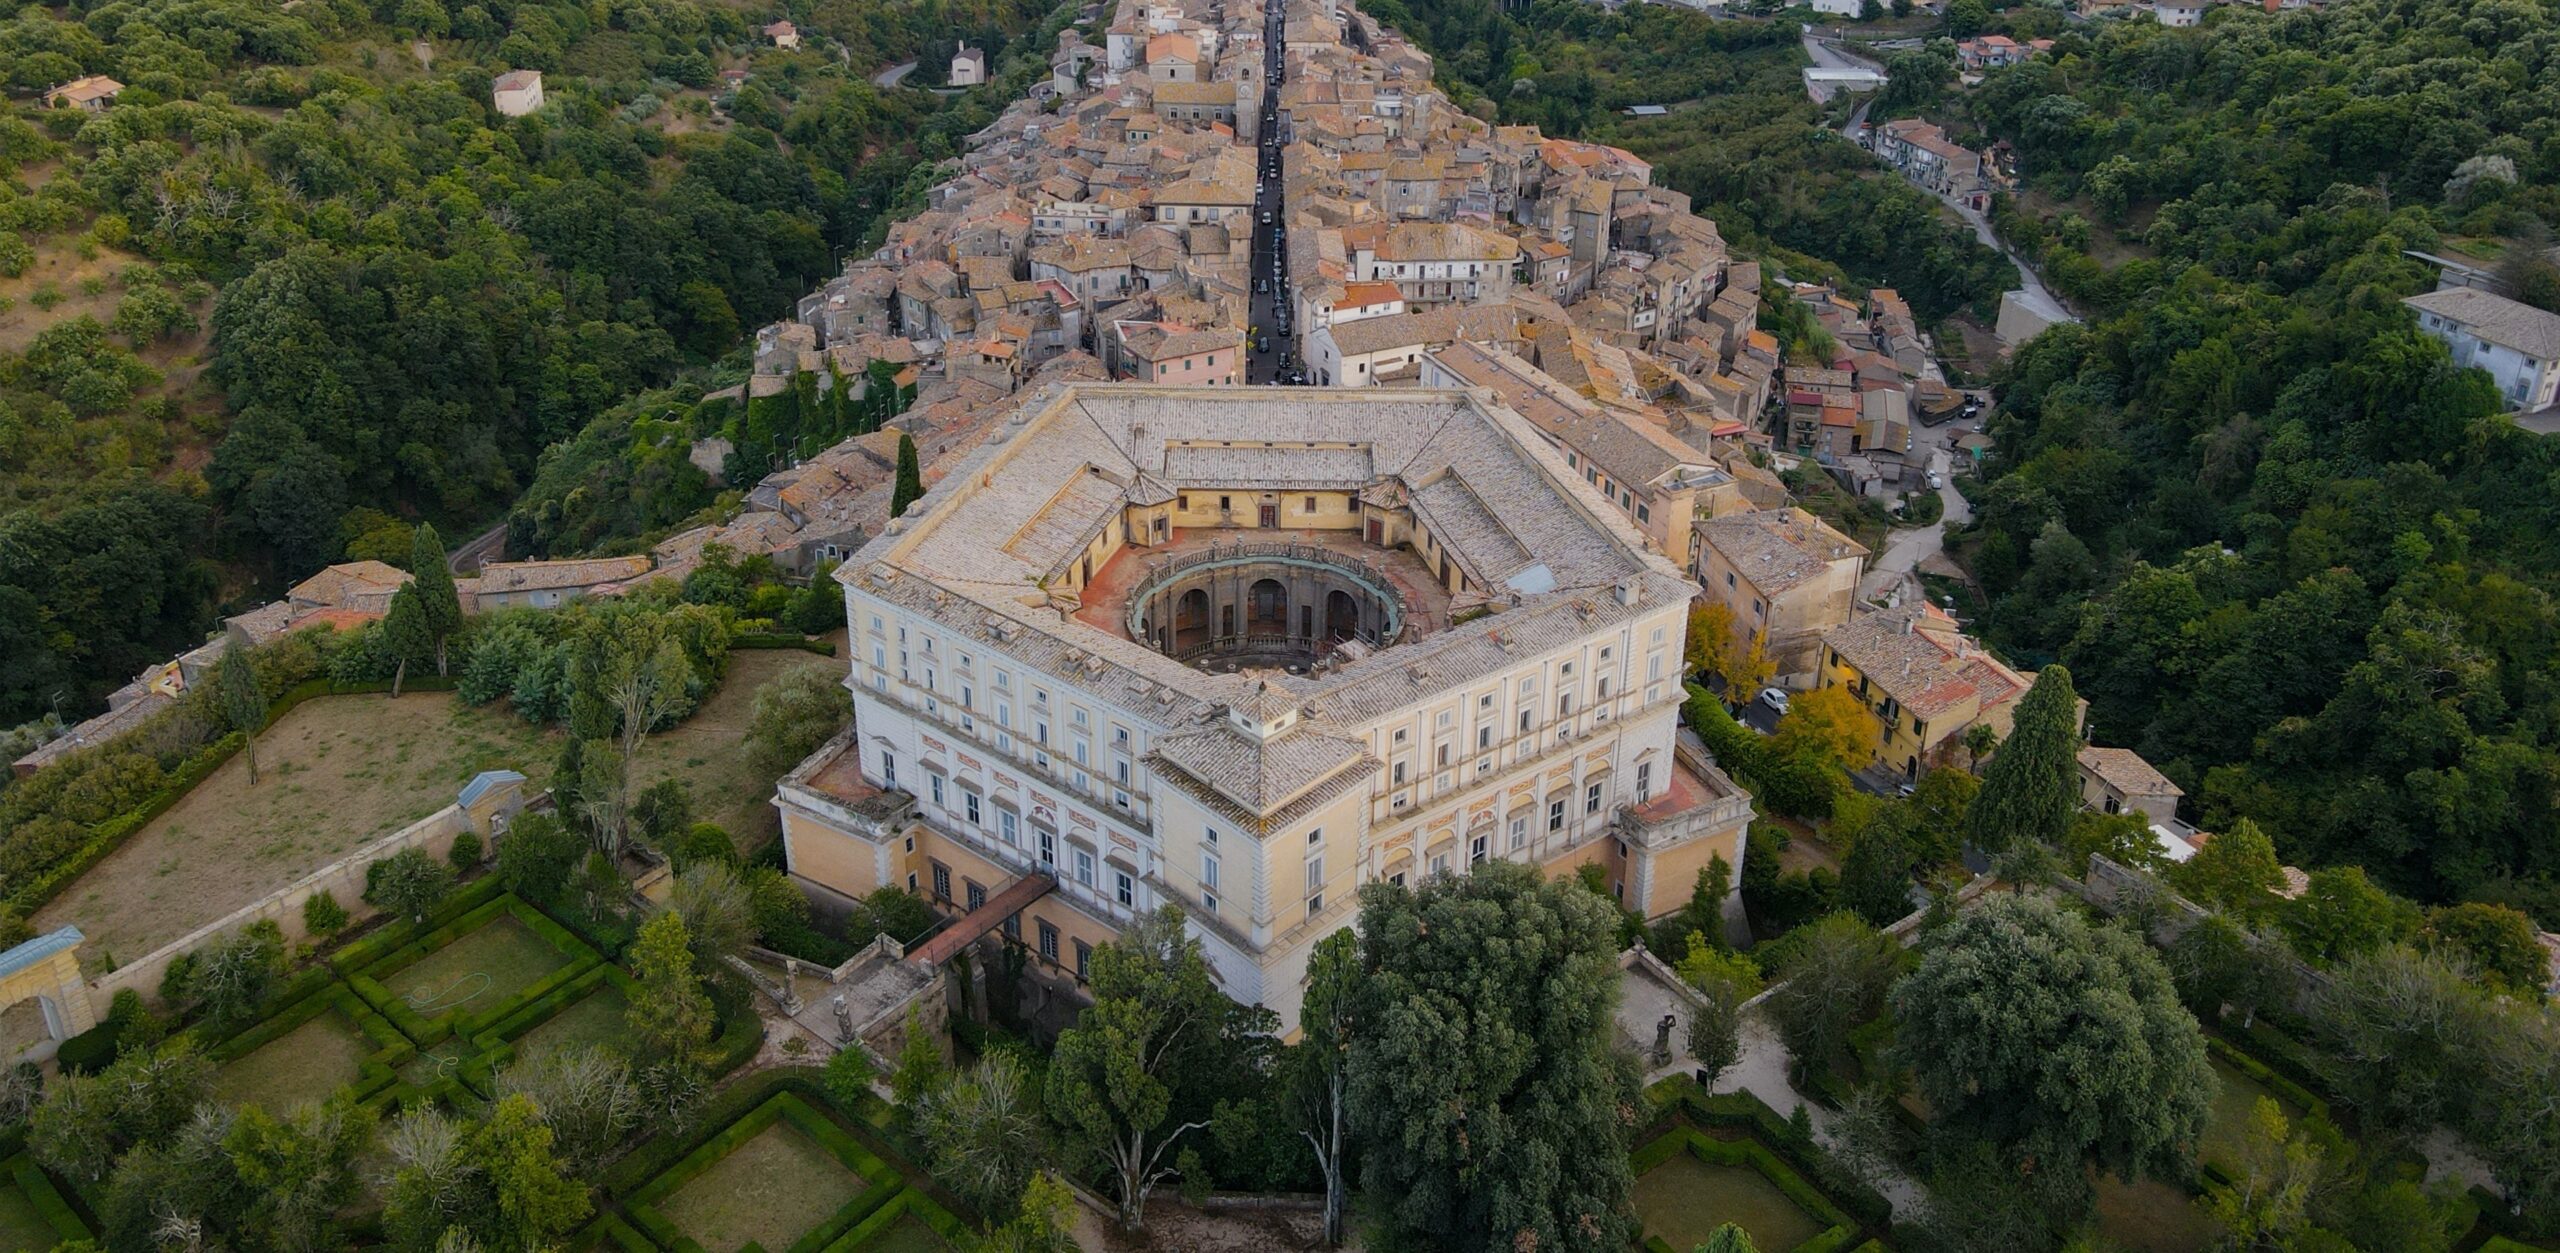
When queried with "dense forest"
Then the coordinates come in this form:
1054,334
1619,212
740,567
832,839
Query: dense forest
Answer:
1742,138
2292,555
301,286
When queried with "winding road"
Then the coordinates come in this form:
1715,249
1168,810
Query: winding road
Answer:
2034,293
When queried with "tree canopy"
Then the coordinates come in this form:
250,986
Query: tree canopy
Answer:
2058,1042
1523,1145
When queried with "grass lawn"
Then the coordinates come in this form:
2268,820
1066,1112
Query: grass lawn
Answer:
2148,1216
909,1234
2235,1110
596,1019
1684,1200
498,960
304,1064
21,1226
771,1190
334,774
709,750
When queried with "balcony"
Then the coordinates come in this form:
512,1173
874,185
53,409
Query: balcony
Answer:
1700,800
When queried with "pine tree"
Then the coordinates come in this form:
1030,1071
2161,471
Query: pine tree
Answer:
2032,787
244,706
431,572
405,632
910,476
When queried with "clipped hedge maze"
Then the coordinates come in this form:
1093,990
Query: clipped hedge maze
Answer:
888,1206
457,1009
32,1209
375,1074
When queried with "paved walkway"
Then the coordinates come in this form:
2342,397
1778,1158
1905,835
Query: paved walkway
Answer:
1762,1070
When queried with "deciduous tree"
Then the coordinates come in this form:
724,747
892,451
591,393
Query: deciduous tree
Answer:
1122,1081
982,1133
409,883
1828,725
1525,1145
2342,914
1724,980
2236,870
1319,1066
670,1016
2060,1043
1833,978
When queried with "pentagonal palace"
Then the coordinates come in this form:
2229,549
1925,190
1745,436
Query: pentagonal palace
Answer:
1244,650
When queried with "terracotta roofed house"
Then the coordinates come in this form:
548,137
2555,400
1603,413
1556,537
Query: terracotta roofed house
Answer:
1924,680
517,92
550,584
92,94
1783,572
2118,780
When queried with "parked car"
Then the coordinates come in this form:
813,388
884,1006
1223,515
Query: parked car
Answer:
1936,480
1775,698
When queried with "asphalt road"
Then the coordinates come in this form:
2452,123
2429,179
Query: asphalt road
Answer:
1270,301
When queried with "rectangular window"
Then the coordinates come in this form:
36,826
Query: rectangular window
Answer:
1555,814
977,897
1519,832
934,782
941,882
1084,867
1644,781
969,806
1591,799
1084,959
1476,852
1209,883
1049,941
1048,849
1009,826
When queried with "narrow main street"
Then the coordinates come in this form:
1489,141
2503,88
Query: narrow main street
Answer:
1268,354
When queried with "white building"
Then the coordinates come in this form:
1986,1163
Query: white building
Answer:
968,66
517,92
2516,343
1243,650
2178,12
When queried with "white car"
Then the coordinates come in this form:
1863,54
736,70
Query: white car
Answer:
1936,480
1775,698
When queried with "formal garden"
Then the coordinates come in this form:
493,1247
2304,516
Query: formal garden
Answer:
441,1021
1706,1161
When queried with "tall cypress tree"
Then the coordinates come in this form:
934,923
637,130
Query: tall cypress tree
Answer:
910,476
244,706
2033,786
431,572
404,633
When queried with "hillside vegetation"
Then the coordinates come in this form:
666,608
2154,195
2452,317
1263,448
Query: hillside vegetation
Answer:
2292,555
324,290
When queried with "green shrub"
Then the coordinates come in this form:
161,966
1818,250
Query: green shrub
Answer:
465,853
322,915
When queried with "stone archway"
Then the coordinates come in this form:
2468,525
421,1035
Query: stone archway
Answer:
1267,608
46,972
1341,616
1191,619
